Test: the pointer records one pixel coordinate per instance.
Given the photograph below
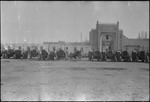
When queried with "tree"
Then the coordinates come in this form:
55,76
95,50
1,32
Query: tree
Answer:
145,35
142,35
139,37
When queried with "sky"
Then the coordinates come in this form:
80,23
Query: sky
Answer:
52,21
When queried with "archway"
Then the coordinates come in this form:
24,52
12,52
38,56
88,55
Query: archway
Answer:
106,42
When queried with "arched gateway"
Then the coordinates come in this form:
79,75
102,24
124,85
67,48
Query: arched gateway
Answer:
106,37
106,42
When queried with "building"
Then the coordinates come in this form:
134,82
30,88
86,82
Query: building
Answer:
109,37
72,46
104,37
22,45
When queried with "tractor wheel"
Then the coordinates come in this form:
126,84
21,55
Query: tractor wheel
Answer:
89,59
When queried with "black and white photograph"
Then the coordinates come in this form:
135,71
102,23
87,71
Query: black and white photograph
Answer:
74,50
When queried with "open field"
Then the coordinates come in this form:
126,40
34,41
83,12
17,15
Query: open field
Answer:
74,80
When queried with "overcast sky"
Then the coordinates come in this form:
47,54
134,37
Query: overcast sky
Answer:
38,21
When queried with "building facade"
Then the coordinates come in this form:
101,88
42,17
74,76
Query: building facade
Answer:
72,46
104,37
109,37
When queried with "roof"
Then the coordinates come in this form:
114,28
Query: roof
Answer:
68,43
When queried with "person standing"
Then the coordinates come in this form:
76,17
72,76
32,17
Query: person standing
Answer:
66,53
29,52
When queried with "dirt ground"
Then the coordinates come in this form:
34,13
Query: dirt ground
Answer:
29,80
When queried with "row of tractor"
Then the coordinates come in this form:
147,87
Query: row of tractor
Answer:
43,54
119,56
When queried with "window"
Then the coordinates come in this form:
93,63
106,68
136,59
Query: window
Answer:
120,36
53,48
81,49
107,37
75,49
66,48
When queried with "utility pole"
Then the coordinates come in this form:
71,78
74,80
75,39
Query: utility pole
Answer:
81,36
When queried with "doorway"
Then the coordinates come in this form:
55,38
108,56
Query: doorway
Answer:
107,43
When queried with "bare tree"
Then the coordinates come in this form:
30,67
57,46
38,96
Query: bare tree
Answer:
145,35
142,34
139,35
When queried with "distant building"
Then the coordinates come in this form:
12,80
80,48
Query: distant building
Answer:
72,46
23,45
109,37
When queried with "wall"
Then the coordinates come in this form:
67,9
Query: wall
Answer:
132,43
120,36
120,41
71,46
110,29
94,39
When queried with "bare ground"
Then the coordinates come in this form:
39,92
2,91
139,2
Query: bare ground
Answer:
23,80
